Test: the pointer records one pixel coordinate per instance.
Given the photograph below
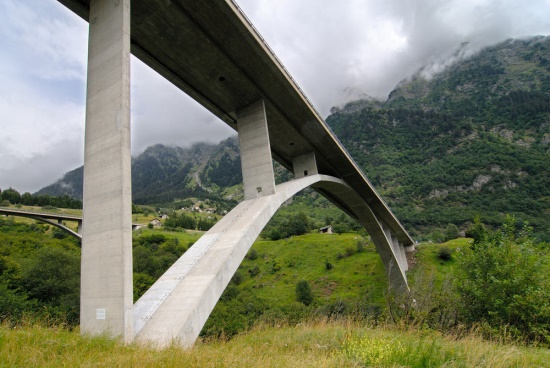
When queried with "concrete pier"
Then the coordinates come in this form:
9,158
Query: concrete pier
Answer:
256,161
106,278
304,165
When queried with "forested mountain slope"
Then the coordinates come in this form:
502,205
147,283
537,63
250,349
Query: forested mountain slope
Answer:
160,174
472,140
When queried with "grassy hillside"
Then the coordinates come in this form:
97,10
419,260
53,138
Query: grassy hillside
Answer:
342,274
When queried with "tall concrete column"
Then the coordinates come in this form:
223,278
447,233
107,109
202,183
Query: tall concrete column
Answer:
106,278
256,162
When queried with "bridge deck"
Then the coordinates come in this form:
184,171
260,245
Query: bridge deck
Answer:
49,216
211,51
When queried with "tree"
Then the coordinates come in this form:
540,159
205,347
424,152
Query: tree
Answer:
11,195
303,292
53,278
298,224
501,281
451,232
27,199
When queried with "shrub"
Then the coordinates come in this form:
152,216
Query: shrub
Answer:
58,233
254,271
444,254
361,245
501,282
451,232
350,251
53,278
237,278
341,228
229,293
303,293
275,267
252,254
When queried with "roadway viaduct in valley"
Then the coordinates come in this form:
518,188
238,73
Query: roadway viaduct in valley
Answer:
212,52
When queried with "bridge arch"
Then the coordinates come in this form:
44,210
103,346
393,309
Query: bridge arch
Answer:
59,225
179,303
51,219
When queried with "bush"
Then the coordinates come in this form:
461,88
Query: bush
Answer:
252,254
341,228
254,271
350,251
502,282
53,278
361,245
58,233
444,254
142,282
451,232
237,278
303,293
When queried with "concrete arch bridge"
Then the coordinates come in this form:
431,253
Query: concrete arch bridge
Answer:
211,51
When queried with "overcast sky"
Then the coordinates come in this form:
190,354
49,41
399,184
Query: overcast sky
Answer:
337,50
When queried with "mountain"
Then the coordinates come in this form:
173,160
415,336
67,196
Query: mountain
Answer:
71,184
162,174
472,140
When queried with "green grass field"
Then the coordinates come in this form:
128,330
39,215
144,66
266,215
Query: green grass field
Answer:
355,273
318,344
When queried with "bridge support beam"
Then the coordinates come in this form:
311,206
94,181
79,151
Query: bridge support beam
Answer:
398,250
256,161
304,165
106,276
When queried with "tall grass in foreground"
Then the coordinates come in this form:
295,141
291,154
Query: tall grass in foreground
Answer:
320,344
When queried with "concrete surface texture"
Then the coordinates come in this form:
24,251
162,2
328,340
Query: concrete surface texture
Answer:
256,161
106,276
304,165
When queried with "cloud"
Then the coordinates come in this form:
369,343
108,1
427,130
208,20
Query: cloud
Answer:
162,113
367,47
41,109
336,50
